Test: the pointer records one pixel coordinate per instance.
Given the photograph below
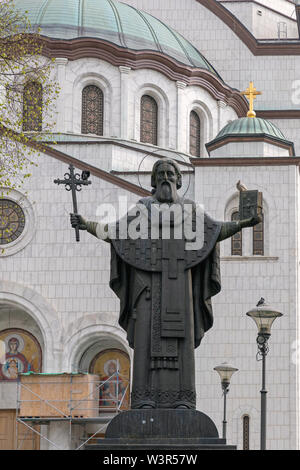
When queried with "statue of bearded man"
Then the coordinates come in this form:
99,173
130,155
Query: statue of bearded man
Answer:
165,286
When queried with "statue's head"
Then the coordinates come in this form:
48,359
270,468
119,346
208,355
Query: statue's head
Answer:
166,179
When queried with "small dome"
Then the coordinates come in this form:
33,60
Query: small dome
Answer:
251,126
244,129
111,21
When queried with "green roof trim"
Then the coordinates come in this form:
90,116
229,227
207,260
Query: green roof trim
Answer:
111,21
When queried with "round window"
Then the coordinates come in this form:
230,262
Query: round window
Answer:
12,221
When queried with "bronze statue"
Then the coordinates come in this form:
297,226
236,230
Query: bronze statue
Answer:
165,293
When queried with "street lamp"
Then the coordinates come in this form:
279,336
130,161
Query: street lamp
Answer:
225,372
264,315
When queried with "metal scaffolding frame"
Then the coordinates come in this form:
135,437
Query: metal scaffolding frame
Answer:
73,404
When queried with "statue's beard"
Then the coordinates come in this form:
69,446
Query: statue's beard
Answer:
166,192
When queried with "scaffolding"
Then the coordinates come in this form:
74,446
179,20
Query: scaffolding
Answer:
34,407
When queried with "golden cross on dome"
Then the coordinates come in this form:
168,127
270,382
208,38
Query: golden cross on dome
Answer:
251,93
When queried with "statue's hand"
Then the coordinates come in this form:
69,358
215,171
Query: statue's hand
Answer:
78,221
250,222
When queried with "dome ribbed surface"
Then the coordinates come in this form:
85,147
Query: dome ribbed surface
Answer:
112,21
251,126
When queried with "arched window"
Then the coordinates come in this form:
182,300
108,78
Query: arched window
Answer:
246,432
92,110
237,239
195,134
32,106
258,236
149,112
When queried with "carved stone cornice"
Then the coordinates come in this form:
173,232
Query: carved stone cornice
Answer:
278,113
234,138
119,56
245,161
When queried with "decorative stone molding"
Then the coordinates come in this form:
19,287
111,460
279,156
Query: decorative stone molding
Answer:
75,49
181,85
78,343
124,70
279,114
30,224
225,140
61,61
42,313
246,161
221,104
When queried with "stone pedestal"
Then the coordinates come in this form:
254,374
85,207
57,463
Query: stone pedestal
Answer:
161,429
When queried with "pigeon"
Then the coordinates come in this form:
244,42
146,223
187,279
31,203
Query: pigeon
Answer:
241,187
260,302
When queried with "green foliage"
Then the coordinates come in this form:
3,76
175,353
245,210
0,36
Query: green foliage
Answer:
27,95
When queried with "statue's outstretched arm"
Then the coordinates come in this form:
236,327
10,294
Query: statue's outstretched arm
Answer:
94,228
231,228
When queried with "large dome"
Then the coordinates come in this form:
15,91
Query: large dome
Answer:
111,21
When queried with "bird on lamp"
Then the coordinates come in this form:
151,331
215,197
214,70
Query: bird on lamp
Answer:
260,302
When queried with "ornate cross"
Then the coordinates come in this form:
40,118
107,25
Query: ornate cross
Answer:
73,182
251,93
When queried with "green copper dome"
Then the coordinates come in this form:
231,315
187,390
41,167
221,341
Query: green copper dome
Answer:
112,21
251,126
247,127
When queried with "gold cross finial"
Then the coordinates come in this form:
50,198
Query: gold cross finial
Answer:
251,93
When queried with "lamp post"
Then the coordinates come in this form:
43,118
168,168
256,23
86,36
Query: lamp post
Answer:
225,372
264,315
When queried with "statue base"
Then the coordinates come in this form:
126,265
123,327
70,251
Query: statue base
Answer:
161,429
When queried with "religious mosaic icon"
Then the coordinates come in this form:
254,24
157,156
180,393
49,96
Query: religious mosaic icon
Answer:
113,367
12,221
22,354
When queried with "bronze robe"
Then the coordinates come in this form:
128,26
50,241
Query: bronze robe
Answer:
165,308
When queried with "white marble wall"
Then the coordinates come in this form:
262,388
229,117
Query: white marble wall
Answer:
244,281
263,22
249,149
63,286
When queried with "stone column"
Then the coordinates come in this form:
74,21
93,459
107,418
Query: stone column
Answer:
221,105
124,118
61,64
181,131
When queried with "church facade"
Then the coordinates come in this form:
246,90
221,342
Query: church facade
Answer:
142,80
